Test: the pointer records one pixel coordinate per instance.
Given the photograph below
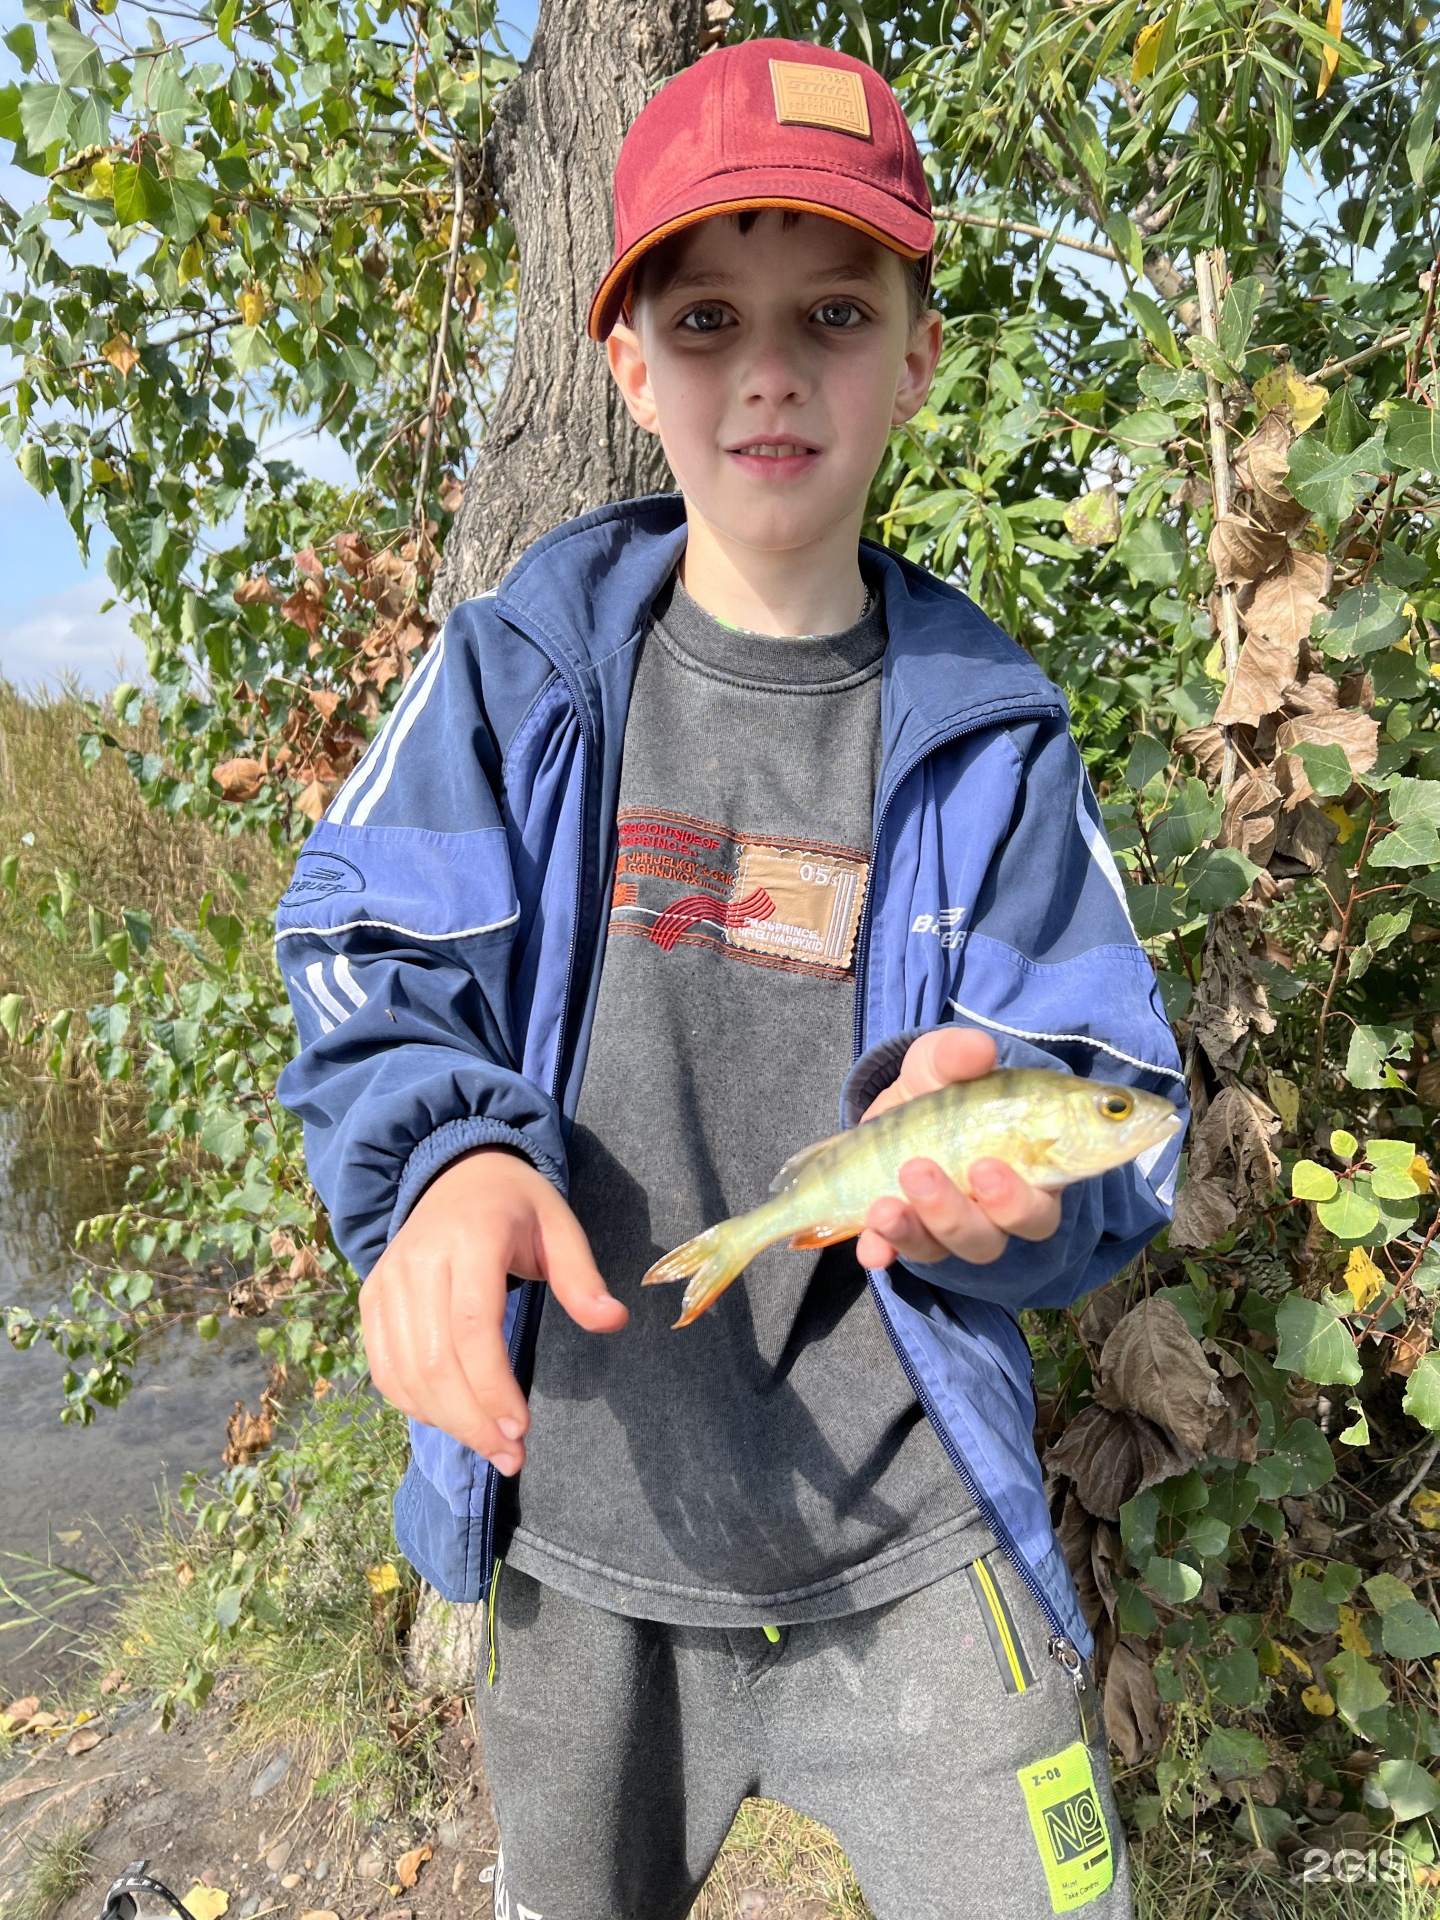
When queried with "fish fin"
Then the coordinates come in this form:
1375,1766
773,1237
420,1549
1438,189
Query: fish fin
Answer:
797,1163
820,1237
714,1258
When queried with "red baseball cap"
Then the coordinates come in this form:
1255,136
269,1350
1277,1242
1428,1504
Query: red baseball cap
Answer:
766,123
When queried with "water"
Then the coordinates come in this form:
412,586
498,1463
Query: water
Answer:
76,1492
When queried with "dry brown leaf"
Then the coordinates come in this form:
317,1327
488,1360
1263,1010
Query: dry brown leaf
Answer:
452,492
1076,1533
1427,1083
84,1740
1206,747
239,779
1111,1456
113,1680
1411,1346
313,799
1241,552
1153,1364
319,1913
20,1712
1235,1432
1134,1717
1237,1127
308,563
305,607
1316,693
258,592
407,1867
353,552
1248,822
1102,1311
1203,1211
1262,464
1287,600
1231,1001
1307,836
324,701
1265,668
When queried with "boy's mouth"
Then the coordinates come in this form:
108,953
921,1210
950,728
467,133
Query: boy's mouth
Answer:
774,456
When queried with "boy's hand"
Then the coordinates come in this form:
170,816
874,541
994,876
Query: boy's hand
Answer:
432,1307
939,1218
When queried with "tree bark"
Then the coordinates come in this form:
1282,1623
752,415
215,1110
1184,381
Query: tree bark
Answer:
560,440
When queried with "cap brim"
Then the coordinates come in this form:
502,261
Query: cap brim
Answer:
893,222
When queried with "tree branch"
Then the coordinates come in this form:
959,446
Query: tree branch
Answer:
954,216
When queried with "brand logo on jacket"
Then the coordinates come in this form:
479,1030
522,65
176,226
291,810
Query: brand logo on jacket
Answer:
945,925
318,875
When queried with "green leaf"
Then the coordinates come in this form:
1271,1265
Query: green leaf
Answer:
1327,768
34,466
1154,325
1216,878
178,207
1420,140
1329,483
1384,1591
1370,1047
1149,757
77,58
1422,1393
1349,1217
1192,817
250,348
1237,317
1416,800
1412,434
1315,1342
1310,1181
1153,552
1410,1791
1174,1580
1363,620
1356,1684
1209,359
1234,1753
1409,1631
46,114
208,1326
12,1007
1153,910
1343,1144
223,1134
1411,844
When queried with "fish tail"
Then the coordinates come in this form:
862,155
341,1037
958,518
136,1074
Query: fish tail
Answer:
711,1261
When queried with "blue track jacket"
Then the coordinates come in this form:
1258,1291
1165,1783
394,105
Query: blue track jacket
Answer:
443,935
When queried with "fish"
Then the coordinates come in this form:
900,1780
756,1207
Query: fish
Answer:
1052,1128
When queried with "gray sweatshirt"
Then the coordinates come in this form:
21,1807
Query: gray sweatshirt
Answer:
769,1463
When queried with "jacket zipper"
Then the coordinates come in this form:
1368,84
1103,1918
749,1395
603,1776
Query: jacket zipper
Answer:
529,1295
1059,1646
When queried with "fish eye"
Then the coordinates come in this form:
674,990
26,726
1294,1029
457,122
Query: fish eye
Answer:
1116,1106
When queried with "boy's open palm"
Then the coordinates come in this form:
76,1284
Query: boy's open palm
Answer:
433,1306
936,1218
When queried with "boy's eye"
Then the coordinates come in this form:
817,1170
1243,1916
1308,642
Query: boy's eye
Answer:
709,317
839,313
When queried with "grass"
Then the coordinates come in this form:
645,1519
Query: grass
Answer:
57,1864
315,1666
96,827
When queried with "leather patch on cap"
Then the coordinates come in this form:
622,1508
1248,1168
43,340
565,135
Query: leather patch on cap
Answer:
807,95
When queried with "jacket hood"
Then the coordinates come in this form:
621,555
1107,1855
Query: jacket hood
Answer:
586,588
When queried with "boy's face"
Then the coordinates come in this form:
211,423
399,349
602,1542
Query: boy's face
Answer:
773,365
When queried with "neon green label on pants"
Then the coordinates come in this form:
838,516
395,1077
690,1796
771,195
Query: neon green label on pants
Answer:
1069,1826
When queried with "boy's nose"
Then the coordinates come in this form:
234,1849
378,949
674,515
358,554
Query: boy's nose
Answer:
773,373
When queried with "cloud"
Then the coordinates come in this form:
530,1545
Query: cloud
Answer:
58,636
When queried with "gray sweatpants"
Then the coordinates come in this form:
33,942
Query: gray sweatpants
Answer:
934,1737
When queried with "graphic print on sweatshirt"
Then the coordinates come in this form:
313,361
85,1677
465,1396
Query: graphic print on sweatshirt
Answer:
774,901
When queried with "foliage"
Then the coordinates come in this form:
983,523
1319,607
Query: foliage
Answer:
1212,520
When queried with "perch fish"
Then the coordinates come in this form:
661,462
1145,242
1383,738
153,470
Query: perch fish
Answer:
1052,1128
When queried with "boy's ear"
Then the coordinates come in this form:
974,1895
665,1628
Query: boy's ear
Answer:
626,355
922,356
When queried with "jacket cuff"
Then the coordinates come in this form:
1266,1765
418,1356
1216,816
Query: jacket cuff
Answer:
873,1072
446,1144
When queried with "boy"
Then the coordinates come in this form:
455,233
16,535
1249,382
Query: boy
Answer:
802,1548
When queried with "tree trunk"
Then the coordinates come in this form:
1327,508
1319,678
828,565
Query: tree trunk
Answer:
561,441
